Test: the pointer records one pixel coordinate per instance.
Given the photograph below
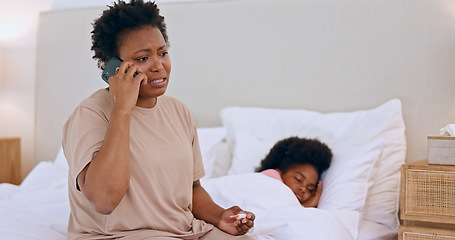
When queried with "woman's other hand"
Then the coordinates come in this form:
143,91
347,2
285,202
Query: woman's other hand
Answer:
236,226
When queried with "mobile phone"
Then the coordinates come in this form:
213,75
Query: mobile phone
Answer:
109,70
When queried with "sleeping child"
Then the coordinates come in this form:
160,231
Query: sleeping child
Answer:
299,163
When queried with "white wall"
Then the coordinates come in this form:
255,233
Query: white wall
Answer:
18,27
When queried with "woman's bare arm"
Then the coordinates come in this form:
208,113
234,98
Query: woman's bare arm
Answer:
206,209
105,180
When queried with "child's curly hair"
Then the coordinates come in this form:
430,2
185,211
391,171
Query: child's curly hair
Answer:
119,20
294,150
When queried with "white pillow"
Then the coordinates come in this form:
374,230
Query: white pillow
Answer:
345,183
339,130
209,140
248,152
60,159
223,160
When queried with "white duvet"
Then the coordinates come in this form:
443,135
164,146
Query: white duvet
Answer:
39,207
279,215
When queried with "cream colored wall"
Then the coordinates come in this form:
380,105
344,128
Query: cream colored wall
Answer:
18,28
323,55
396,21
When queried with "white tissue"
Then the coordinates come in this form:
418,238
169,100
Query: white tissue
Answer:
448,130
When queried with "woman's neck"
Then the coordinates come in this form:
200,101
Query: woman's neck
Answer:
146,102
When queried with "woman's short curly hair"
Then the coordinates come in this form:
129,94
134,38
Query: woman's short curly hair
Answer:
120,19
294,150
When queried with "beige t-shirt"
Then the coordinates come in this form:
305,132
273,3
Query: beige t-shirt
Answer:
165,160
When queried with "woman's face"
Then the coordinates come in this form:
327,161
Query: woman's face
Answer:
147,49
302,179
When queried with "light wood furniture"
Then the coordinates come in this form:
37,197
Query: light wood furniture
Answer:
427,201
10,160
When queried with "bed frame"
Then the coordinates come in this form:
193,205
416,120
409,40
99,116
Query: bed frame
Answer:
322,55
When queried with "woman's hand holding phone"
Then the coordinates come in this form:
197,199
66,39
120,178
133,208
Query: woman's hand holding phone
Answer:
124,86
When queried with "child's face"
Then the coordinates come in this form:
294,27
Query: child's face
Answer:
302,180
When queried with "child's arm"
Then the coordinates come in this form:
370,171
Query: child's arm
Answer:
314,200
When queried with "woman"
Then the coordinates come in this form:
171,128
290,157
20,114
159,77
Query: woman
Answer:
133,153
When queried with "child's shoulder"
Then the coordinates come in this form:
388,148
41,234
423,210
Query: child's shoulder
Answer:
273,173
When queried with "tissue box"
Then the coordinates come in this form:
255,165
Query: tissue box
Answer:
441,150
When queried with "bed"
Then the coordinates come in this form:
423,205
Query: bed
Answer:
372,79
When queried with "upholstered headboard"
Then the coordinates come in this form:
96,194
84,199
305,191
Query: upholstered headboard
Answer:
322,55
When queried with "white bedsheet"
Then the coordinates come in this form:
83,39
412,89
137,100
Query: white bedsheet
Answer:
38,208
279,215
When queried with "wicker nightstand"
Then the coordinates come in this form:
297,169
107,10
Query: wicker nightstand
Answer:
427,201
